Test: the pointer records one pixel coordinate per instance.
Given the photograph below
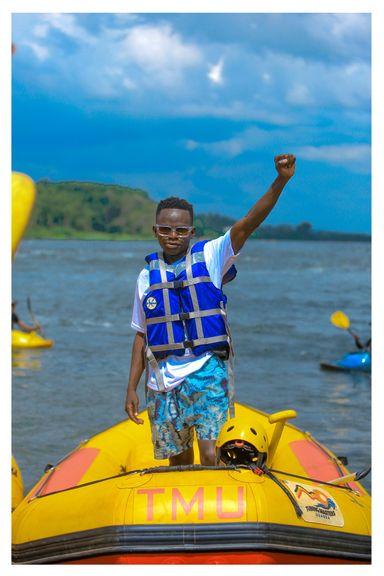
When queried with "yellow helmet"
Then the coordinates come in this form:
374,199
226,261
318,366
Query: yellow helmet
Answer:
242,442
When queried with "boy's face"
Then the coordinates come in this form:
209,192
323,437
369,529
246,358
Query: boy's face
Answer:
174,243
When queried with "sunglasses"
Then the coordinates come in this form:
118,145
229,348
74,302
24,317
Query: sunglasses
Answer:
181,231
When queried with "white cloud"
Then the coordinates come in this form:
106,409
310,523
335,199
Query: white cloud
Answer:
156,56
191,145
67,25
236,110
129,84
41,52
329,36
299,94
353,157
349,26
230,148
215,73
311,83
249,139
41,30
126,18
160,53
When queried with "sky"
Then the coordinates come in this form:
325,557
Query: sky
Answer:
197,105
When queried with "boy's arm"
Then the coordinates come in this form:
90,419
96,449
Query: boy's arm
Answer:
135,373
242,229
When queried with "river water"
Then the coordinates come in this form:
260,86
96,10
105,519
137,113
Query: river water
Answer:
279,308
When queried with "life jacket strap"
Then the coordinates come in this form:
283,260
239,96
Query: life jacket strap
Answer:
189,343
176,269
167,304
231,383
185,316
177,284
230,369
151,363
193,294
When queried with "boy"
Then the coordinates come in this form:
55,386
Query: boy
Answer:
182,334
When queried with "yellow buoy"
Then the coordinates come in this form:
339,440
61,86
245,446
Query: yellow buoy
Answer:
23,199
17,485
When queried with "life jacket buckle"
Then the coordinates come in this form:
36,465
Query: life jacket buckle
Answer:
184,315
188,343
178,284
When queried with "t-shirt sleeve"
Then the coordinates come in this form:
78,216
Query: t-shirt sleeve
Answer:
219,257
138,316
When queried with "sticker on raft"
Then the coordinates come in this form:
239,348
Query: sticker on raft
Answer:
151,303
316,504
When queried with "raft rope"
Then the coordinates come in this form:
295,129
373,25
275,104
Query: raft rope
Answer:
297,508
270,472
359,476
141,471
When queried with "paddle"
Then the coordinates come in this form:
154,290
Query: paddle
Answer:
350,477
33,317
341,320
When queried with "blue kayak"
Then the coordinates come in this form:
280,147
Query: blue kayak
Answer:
359,361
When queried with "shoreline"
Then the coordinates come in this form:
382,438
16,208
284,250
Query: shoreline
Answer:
90,236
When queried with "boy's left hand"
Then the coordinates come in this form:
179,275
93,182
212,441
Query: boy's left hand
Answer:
285,165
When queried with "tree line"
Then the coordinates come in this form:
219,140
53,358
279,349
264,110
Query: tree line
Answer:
73,209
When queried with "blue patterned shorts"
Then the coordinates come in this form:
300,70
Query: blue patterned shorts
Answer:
200,402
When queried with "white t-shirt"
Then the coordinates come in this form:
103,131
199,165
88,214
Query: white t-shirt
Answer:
219,257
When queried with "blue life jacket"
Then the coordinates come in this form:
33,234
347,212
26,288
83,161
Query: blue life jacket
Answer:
183,308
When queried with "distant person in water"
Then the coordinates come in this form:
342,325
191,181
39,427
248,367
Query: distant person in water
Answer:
360,345
16,320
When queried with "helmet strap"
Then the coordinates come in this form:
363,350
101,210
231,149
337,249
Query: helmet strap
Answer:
260,460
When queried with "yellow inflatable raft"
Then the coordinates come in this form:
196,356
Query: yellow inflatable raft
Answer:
17,485
110,502
29,340
23,199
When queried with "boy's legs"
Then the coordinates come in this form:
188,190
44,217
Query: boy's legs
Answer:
200,402
207,452
209,388
172,436
182,459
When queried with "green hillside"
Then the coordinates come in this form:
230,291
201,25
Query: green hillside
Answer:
88,210
71,208
92,210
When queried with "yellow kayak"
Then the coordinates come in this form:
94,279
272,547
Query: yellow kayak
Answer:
23,199
29,340
110,502
17,485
